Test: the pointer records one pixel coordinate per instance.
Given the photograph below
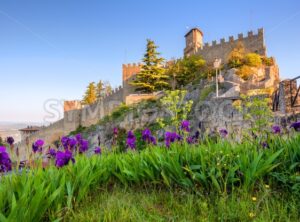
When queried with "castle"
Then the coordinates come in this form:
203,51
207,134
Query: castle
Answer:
253,43
75,114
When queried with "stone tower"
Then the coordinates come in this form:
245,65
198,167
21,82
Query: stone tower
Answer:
129,72
193,41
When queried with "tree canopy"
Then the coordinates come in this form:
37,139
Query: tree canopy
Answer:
186,70
152,76
90,95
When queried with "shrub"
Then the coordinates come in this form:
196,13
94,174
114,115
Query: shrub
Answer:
120,111
245,72
206,91
253,59
268,61
236,56
80,129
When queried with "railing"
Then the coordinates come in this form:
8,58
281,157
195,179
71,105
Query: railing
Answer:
294,98
275,101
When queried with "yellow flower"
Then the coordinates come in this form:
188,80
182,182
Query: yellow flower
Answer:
267,186
254,198
251,215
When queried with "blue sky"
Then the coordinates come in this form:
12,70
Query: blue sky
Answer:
51,49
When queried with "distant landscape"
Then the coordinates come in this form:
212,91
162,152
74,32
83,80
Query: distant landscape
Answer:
12,129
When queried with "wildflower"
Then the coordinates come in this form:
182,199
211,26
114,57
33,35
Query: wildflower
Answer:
223,133
296,126
147,137
83,146
37,146
254,199
251,215
115,131
63,158
64,141
267,186
97,150
52,152
5,162
194,138
265,145
78,137
276,129
130,141
190,140
171,137
10,140
39,143
34,148
72,142
185,126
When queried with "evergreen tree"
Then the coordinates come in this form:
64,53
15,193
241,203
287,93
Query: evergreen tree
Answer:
152,76
90,95
100,89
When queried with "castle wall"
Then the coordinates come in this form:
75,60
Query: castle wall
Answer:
129,72
252,43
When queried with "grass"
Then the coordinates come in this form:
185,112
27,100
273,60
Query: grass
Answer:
181,180
149,204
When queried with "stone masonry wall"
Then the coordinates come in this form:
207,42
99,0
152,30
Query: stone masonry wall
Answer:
252,43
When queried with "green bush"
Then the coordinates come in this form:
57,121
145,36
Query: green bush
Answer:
80,129
253,60
268,61
236,56
206,91
245,72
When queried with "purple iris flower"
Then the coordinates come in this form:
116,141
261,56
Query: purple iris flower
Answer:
276,129
39,143
194,138
72,142
52,152
10,140
37,146
223,133
64,142
190,140
147,137
63,158
185,126
83,146
265,145
34,148
171,137
130,141
78,137
115,131
5,162
296,126
97,150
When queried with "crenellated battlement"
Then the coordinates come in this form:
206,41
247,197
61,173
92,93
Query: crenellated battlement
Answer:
253,42
231,39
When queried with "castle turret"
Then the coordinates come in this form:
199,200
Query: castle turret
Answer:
194,41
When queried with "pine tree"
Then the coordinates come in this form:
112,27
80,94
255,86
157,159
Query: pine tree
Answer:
90,95
152,76
100,89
